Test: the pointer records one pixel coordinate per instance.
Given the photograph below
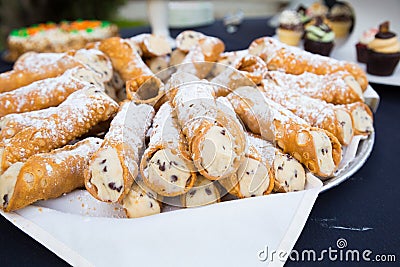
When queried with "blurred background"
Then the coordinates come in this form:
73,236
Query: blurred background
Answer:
125,13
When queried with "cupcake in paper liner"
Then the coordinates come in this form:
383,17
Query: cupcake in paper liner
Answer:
383,52
319,38
341,19
290,28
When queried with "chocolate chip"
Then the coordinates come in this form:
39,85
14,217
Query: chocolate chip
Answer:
97,91
280,168
190,35
192,192
223,132
253,195
289,157
174,178
175,163
103,161
105,169
191,105
162,167
286,183
223,147
113,187
5,200
343,123
141,195
208,191
295,173
323,151
151,205
247,173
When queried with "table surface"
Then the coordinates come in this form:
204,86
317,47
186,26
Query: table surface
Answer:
362,210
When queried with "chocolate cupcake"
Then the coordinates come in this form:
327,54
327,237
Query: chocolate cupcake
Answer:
383,52
361,46
319,38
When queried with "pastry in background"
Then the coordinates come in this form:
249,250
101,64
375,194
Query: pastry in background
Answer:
51,37
290,28
302,11
361,46
383,52
317,9
319,38
341,18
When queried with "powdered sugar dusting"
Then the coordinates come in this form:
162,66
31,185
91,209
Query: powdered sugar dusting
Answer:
129,127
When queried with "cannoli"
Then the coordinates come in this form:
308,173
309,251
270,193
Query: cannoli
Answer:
289,174
186,40
113,168
140,202
248,71
152,45
56,126
146,90
316,148
254,176
216,141
362,117
116,85
316,112
159,66
179,79
32,68
96,61
211,47
293,60
201,49
336,88
48,92
166,166
47,175
195,63
177,56
204,192
125,58
228,59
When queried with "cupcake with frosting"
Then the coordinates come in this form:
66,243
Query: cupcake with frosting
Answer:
317,9
302,11
361,46
319,38
290,28
383,52
340,19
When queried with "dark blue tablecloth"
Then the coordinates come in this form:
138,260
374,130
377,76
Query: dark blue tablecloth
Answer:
364,210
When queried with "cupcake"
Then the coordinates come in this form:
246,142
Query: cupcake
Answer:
383,52
304,18
317,9
361,46
319,38
290,28
340,19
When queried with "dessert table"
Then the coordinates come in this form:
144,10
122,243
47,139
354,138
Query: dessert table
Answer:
362,212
